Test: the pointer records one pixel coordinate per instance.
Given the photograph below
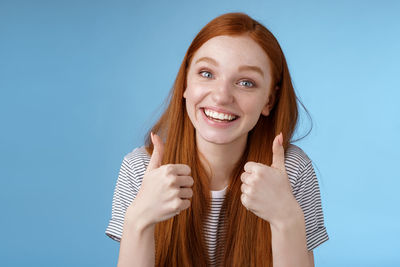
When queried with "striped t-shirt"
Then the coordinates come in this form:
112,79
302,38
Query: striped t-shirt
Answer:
301,175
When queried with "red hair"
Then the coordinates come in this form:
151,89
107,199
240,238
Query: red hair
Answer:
179,240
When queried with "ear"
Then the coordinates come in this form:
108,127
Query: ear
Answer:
265,110
184,93
270,104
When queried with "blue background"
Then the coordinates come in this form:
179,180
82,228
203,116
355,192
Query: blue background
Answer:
81,82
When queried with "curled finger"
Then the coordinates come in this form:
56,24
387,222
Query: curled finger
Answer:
184,204
243,199
185,181
244,176
181,204
185,193
244,188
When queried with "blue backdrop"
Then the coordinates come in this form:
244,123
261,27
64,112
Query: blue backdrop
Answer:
81,82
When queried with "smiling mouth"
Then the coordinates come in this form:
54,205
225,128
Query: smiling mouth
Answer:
219,117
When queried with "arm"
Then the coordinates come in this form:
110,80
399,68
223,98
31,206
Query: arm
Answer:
137,243
165,191
267,192
289,247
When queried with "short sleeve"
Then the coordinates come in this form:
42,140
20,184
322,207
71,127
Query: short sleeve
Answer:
127,186
309,198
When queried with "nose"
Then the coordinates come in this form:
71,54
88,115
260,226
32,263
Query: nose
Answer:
222,93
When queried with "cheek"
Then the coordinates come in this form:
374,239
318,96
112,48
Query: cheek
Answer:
252,108
257,104
191,99
194,94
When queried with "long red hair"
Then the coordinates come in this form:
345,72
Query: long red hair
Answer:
247,242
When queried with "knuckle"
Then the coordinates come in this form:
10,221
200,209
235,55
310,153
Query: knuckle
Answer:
250,182
177,193
171,179
249,190
169,168
243,198
176,205
256,171
246,189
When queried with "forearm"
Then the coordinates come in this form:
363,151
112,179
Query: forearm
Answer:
137,246
289,245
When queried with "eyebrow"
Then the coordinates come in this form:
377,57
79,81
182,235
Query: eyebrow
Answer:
241,68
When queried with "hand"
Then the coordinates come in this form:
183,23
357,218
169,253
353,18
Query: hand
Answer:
266,191
165,189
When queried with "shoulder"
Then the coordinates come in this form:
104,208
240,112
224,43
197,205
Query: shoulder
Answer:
137,156
137,160
295,161
127,187
295,157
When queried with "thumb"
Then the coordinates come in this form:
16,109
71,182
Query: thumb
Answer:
158,151
278,153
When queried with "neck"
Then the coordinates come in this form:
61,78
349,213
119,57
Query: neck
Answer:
219,160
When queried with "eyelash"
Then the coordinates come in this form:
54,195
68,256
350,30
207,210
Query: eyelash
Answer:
253,83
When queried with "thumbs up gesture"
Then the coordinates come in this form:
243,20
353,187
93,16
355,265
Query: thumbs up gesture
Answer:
266,191
165,189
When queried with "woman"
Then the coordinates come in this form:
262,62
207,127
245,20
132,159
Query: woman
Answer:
223,185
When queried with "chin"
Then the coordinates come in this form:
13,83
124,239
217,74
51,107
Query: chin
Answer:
218,142
217,139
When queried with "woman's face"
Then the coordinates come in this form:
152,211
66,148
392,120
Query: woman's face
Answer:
228,84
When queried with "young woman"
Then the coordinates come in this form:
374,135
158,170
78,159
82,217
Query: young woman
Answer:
218,182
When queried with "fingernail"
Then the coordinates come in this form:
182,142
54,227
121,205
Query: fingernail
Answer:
280,138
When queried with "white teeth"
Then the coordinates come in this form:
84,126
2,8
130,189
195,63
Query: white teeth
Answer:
219,116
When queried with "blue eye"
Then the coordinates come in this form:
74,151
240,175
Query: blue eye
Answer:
248,82
205,72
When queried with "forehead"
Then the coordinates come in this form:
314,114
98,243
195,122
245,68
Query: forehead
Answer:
235,50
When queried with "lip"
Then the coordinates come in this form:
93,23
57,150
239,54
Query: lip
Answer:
217,124
220,110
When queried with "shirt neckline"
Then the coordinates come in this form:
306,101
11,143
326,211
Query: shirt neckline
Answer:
218,193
